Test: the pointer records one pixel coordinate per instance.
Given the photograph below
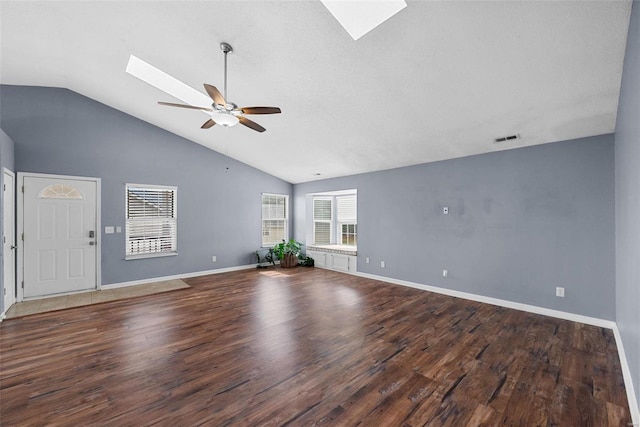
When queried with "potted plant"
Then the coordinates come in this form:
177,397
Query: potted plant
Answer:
287,252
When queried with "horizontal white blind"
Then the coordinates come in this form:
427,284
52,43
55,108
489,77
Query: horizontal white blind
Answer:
150,202
151,222
274,206
347,209
274,219
322,215
322,209
322,233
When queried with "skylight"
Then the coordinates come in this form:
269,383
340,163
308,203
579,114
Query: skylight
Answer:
359,17
166,83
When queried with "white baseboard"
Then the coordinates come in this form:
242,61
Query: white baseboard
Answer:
610,324
626,373
177,276
628,382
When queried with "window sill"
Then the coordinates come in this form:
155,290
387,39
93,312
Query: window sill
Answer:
337,249
145,256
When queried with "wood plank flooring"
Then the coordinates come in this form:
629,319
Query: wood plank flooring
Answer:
302,347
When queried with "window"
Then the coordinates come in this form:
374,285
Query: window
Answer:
322,210
151,221
349,234
335,219
347,220
275,227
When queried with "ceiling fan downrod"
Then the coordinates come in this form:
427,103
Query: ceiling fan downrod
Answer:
226,49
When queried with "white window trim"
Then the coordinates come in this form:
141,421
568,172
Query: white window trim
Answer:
175,217
286,218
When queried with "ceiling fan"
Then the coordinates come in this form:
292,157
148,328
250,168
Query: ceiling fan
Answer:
220,112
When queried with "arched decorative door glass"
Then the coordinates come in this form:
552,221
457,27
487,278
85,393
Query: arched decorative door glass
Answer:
60,191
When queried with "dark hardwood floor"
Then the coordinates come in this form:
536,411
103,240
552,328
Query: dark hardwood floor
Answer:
304,347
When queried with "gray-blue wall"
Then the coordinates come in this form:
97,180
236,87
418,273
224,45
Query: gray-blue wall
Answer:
6,161
57,131
520,223
627,154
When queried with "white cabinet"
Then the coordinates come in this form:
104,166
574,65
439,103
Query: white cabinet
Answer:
339,262
319,258
334,261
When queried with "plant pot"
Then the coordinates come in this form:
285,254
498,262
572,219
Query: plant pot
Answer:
289,261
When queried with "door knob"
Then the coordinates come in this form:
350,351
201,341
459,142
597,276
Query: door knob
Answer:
92,243
14,247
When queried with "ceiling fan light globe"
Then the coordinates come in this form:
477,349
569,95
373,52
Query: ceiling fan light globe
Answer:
225,120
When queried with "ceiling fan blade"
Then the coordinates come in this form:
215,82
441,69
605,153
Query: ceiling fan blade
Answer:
215,94
166,83
171,104
250,124
260,110
209,123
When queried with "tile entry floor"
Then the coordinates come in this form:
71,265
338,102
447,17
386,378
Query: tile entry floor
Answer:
43,305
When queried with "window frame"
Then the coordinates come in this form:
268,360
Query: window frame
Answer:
172,221
346,221
341,234
285,219
337,221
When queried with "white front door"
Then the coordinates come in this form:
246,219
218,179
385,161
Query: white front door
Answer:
60,235
8,239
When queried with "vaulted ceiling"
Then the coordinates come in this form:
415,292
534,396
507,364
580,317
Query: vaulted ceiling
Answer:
438,80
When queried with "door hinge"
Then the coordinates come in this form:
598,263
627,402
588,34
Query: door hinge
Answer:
23,284
4,187
4,239
5,291
23,237
23,188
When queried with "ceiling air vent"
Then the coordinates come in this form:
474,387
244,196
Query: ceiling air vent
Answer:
507,138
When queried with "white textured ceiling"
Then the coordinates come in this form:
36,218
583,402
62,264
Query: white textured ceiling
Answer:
438,80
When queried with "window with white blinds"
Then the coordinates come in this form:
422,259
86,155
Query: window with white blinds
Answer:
322,220
275,227
335,219
151,221
347,220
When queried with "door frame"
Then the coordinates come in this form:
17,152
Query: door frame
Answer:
20,228
5,172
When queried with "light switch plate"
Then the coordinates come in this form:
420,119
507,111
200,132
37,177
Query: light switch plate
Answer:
118,229
108,230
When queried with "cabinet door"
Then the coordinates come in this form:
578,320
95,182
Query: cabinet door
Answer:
339,262
319,258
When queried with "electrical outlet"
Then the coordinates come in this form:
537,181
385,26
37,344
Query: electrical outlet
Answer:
214,258
560,292
445,273
366,260
381,264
